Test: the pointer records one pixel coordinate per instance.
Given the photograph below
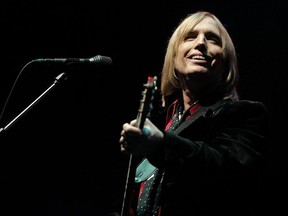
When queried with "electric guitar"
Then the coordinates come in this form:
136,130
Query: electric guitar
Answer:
131,192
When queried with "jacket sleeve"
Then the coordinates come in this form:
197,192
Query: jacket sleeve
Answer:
230,139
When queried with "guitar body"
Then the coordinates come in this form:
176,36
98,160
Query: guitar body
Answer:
131,192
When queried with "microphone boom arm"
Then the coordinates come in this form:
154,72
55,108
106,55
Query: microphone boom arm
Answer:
58,79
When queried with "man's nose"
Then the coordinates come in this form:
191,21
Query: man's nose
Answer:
201,42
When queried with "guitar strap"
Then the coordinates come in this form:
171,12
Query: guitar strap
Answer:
198,113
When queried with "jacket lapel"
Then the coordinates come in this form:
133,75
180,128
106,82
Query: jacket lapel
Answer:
200,112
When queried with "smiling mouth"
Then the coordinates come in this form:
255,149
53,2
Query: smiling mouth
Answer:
200,57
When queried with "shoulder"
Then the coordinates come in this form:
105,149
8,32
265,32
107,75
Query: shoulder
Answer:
244,111
246,106
239,108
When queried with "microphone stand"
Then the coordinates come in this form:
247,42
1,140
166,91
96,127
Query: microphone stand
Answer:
58,79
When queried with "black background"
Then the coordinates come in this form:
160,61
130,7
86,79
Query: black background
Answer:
62,156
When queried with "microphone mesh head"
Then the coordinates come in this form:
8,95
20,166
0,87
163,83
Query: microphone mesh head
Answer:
101,59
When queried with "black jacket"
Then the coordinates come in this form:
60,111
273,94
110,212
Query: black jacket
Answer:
215,165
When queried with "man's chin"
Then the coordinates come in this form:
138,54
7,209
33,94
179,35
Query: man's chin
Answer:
201,74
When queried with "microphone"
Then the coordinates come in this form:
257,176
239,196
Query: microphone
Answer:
99,59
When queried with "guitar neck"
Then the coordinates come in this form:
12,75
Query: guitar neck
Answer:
131,190
146,101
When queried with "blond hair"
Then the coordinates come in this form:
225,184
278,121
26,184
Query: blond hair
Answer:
170,84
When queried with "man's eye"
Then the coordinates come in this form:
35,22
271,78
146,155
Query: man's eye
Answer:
213,39
191,37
